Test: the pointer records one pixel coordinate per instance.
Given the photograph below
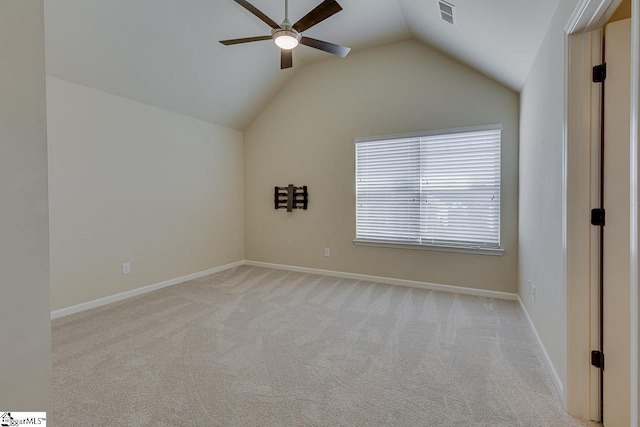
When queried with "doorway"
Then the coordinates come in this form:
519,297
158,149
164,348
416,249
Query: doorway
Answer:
581,160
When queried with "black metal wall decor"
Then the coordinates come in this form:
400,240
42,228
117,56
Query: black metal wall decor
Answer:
291,198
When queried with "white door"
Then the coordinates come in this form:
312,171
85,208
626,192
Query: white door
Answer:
616,290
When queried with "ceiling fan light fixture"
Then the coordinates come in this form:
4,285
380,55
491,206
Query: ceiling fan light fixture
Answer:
286,39
287,36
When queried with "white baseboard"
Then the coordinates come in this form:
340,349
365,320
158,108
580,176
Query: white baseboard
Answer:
387,280
391,281
135,292
554,374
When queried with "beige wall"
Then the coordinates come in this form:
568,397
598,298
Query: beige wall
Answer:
133,183
305,137
25,332
622,12
541,183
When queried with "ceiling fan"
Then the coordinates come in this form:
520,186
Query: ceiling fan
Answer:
288,36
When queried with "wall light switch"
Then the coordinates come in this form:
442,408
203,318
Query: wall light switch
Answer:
126,268
327,251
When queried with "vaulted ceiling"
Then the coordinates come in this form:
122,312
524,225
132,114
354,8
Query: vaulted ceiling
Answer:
166,52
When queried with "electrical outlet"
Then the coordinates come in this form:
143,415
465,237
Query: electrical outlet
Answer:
533,292
327,251
126,268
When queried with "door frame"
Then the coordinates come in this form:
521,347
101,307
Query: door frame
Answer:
581,394
582,174
635,214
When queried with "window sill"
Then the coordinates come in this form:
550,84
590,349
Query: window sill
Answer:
437,248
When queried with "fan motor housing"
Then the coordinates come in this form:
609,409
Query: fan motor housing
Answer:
285,31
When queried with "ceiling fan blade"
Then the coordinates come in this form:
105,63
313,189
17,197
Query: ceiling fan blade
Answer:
286,59
251,8
245,40
336,49
323,11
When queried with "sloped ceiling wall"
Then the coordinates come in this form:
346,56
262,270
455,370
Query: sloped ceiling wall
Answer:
166,52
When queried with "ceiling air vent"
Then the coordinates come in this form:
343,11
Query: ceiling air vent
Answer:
447,12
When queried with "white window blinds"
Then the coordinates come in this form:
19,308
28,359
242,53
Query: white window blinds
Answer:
438,188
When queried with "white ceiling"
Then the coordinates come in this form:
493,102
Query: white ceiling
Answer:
166,52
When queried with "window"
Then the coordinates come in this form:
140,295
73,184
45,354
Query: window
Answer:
434,189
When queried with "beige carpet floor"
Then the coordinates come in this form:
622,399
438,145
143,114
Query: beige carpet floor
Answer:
259,347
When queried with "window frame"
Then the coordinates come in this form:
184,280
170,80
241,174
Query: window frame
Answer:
439,247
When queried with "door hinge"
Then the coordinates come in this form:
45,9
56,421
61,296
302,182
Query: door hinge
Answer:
598,217
597,359
599,73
